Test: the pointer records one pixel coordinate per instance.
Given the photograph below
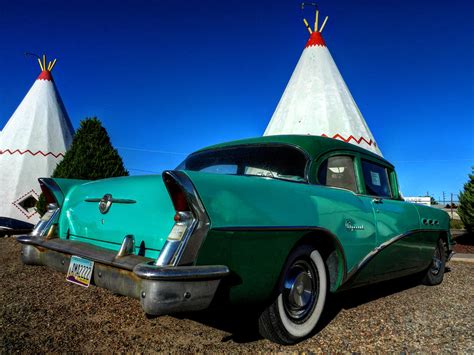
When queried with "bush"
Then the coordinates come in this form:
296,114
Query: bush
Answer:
456,224
466,203
90,157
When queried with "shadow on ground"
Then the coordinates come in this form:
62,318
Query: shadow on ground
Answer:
242,323
465,239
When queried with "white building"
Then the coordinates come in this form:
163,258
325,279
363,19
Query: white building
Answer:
422,200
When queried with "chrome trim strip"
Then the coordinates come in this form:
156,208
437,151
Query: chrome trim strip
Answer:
269,228
150,272
113,200
381,247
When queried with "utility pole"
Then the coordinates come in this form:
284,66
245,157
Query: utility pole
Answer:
451,205
444,199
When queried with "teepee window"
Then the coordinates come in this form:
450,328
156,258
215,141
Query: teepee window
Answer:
28,203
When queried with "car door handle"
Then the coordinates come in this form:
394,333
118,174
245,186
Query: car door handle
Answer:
377,200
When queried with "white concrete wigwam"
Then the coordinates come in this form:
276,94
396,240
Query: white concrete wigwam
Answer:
317,101
32,143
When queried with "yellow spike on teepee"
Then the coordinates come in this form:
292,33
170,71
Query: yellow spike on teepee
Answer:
41,65
44,62
49,66
52,65
316,21
307,26
324,24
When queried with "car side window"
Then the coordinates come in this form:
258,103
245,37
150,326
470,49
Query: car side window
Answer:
376,179
338,171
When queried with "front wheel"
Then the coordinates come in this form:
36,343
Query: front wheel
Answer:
435,273
300,300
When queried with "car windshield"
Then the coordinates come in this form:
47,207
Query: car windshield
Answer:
279,162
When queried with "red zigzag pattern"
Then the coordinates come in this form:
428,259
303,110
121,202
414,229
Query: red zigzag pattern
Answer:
351,137
30,152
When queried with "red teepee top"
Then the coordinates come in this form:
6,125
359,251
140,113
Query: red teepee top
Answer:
315,39
45,75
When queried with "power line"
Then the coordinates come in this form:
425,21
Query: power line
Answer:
152,151
431,160
395,161
144,171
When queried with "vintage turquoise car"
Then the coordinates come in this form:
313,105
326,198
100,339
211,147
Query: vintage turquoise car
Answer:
277,222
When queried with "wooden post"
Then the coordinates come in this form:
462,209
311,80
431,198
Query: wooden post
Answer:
324,24
41,65
52,65
307,26
316,21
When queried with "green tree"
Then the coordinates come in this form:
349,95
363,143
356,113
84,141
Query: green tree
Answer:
466,203
90,157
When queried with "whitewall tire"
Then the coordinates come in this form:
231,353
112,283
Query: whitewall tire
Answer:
300,299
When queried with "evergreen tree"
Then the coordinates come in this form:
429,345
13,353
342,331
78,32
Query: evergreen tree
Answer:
90,157
466,204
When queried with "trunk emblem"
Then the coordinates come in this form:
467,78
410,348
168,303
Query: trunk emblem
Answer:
105,203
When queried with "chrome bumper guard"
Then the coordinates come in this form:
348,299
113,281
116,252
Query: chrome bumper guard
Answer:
161,290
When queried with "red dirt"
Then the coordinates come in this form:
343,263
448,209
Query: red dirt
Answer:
464,243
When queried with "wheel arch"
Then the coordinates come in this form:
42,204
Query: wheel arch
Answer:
332,252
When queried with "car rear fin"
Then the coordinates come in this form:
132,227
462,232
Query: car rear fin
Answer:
190,213
51,191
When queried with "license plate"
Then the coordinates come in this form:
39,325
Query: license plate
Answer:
80,271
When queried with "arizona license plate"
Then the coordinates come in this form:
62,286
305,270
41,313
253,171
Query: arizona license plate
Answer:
80,271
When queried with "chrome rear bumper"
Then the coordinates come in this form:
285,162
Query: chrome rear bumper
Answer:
161,290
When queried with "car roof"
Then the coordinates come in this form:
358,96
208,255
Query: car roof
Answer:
314,146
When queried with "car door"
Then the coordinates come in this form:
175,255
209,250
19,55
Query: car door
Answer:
351,218
397,222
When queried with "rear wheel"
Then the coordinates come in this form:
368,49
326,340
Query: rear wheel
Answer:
300,299
435,273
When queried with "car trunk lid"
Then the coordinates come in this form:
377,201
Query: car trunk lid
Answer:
103,212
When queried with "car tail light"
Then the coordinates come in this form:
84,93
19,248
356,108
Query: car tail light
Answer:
177,194
48,195
183,227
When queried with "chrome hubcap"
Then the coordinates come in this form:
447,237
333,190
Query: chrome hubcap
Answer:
300,290
437,263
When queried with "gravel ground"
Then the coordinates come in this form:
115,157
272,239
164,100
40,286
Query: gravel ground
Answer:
40,312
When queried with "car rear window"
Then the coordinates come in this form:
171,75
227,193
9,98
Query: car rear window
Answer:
279,162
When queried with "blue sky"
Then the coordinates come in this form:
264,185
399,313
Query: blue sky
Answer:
168,77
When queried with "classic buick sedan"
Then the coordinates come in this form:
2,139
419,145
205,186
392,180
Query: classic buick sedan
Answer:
278,222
